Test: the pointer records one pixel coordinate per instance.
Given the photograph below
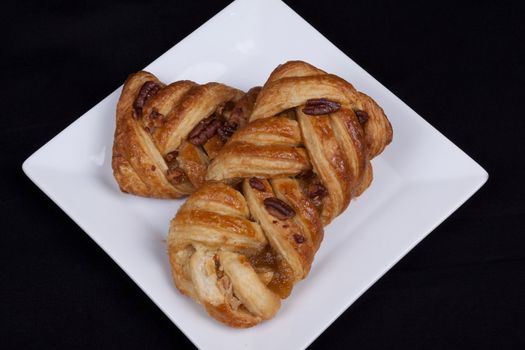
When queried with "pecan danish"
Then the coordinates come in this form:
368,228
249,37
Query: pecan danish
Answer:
221,248
303,155
306,120
166,135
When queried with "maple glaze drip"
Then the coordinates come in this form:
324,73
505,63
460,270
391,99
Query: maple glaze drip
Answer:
282,280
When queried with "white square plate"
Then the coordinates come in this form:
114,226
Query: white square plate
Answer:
420,180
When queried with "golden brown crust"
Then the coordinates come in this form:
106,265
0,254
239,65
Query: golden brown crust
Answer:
295,82
281,140
198,103
239,252
217,231
137,166
146,133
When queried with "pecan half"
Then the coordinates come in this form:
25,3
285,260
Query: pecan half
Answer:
238,116
226,130
320,106
305,174
204,131
153,121
176,176
316,190
362,116
298,238
278,208
257,184
243,108
171,156
147,90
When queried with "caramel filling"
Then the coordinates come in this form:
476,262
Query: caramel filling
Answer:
282,280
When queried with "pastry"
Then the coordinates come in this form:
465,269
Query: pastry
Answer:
221,248
240,242
313,127
166,135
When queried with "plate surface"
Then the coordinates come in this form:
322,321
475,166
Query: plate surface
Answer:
420,180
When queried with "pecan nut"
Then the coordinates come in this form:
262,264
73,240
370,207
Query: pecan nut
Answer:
362,116
204,131
298,238
176,176
316,190
257,184
171,156
147,90
305,174
226,130
153,121
238,116
278,208
320,106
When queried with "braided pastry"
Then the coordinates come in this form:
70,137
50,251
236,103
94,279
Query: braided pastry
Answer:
230,254
241,242
166,135
313,126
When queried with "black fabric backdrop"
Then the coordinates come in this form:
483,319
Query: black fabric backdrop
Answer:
461,68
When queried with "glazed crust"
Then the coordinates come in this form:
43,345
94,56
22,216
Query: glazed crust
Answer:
243,240
293,83
145,136
282,140
216,233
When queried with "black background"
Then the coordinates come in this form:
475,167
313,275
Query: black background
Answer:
462,68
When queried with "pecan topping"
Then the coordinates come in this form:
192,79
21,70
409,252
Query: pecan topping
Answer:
316,190
257,184
147,90
320,106
226,130
278,208
153,121
156,118
155,115
238,116
204,131
224,108
170,156
176,176
362,116
305,174
243,108
298,238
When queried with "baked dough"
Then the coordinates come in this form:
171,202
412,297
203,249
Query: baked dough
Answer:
241,242
282,140
152,155
233,257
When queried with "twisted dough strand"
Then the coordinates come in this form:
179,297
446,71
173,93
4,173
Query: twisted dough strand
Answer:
219,250
151,154
281,140
240,251
295,82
